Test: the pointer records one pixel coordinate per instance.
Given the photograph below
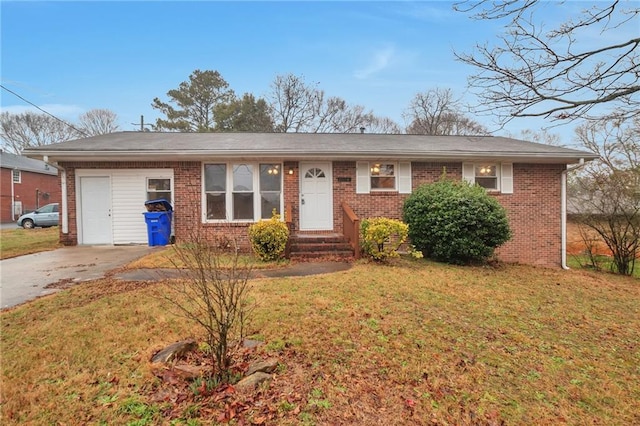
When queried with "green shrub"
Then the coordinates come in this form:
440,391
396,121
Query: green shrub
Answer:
269,238
455,222
381,237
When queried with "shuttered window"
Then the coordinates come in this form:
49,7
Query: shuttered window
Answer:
383,176
491,176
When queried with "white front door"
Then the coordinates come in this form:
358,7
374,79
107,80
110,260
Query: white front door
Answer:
316,197
95,193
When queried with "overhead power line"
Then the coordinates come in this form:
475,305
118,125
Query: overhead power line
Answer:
46,112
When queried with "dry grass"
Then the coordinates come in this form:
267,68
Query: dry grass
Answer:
168,258
411,343
18,242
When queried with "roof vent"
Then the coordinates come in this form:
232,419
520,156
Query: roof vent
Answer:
362,129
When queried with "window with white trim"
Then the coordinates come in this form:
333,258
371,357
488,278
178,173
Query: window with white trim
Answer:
486,176
489,175
242,191
17,176
159,188
383,176
270,189
215,188
242,200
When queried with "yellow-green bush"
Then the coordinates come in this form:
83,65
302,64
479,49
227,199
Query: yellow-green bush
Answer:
269,238
382,237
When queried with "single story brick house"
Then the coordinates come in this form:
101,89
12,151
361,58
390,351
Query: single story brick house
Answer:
25,185
322,183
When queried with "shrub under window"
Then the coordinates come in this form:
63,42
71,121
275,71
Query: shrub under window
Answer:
455,222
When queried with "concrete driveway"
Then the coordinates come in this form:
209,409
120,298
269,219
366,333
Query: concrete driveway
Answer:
25,277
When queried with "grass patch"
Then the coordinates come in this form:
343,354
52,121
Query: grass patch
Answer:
409,343
167,258
19,241
605,263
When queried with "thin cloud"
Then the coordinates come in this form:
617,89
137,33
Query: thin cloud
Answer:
380,60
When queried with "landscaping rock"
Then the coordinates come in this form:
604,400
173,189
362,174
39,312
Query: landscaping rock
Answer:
253,380
251,344
267,366
175,351
189,372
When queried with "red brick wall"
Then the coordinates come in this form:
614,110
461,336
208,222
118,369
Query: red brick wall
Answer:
25,191
187,216
533,209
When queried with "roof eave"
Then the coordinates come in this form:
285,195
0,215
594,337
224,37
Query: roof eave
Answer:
200,155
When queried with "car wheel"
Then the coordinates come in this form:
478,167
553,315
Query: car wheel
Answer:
28,224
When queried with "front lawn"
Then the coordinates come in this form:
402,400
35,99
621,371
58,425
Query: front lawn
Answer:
19,241
412,343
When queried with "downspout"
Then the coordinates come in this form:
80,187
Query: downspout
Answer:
563,211
63,196
13,198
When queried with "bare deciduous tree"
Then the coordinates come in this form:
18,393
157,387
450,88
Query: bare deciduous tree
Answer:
300,107
535,72
542,136
437,112
98,122
214,294
293,103
381,125
606,193
29,130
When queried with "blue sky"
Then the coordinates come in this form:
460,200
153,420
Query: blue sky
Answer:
69,57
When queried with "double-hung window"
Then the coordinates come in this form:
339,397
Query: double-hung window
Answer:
215,187
158,188
495,177
270,189
17,176
486,176
382,176
242,191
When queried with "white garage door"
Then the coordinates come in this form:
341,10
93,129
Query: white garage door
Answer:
130,188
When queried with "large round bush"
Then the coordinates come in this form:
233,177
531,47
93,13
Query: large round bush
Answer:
455,222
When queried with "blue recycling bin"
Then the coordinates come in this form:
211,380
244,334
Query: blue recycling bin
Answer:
158,218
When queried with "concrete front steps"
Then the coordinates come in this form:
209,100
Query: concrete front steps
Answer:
320,246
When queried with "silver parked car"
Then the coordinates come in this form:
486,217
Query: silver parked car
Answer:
45,216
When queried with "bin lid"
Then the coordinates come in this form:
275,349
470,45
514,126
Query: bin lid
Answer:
163,202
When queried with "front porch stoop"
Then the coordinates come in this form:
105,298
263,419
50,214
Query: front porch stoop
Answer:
320,246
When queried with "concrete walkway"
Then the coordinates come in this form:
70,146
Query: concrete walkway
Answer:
295,270
25,278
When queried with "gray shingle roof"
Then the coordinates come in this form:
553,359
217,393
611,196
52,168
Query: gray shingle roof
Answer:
189,146
19,162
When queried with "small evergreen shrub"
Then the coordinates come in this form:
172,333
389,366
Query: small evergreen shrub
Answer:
455,222
382,237
269,238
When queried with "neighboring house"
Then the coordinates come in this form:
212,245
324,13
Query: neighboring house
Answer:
26,184
220,183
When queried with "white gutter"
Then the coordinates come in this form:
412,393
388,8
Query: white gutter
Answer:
563,212
199,155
